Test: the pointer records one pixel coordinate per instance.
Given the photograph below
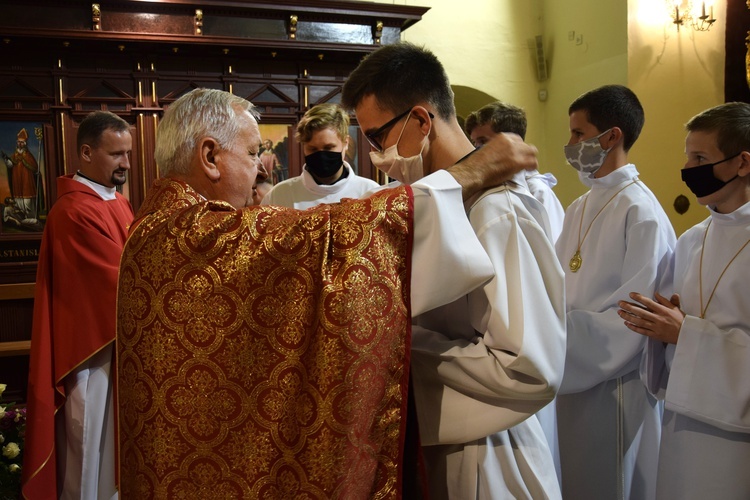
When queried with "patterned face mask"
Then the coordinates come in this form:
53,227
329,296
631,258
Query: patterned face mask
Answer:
587,156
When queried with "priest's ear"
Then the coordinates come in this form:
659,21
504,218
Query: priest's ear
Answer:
84,153
208,153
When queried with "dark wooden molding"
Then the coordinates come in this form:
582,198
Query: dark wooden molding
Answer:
129,20
15,348
17,291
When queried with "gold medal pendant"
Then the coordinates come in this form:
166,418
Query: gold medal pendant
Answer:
576,261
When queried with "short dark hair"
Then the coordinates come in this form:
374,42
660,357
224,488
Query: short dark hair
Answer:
93,126
730,121
400,76
502,117
613,106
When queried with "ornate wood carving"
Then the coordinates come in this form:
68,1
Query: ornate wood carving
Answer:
377,32
198,22
96,17
292,27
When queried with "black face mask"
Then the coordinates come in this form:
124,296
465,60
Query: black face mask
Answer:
701,179
324,164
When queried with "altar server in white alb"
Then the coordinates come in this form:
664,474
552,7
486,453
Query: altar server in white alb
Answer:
616,238
326,177
483,365
698,356
481,126
496,117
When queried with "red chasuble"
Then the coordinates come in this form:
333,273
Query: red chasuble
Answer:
263,352
74,312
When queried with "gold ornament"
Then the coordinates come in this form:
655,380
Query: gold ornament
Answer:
576,261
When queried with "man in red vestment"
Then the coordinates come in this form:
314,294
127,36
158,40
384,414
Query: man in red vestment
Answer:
70,431
263,351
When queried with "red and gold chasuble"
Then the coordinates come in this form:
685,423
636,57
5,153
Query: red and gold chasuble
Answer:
263,352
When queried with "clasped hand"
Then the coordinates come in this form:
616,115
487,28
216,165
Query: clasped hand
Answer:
658,319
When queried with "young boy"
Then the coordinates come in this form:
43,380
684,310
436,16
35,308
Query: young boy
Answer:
698,355
497,117
326,177
483,365
615,238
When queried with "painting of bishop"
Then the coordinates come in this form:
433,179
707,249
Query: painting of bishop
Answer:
22,177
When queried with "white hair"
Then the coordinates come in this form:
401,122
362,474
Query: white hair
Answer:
197,114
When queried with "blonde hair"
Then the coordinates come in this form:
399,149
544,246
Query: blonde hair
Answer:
320,117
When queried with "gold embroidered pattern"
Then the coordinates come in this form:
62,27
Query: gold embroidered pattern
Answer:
261,352
159,260
201,404
200,308
162,445
162,353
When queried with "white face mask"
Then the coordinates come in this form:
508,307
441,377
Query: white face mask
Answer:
587,156
395,166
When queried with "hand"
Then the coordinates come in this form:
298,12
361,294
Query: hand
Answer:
496,162
660,319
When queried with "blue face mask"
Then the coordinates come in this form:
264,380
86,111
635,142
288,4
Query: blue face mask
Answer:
701,179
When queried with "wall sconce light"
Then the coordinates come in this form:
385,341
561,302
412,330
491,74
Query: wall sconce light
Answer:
685,12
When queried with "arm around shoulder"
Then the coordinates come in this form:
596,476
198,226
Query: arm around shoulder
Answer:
496,162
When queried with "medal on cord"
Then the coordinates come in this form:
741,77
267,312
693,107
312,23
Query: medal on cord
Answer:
577,261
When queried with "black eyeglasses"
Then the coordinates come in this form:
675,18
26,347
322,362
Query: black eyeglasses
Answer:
372,137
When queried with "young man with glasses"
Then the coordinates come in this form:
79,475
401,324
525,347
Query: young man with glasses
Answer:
484,364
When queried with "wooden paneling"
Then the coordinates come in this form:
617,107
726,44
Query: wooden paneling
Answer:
17,291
